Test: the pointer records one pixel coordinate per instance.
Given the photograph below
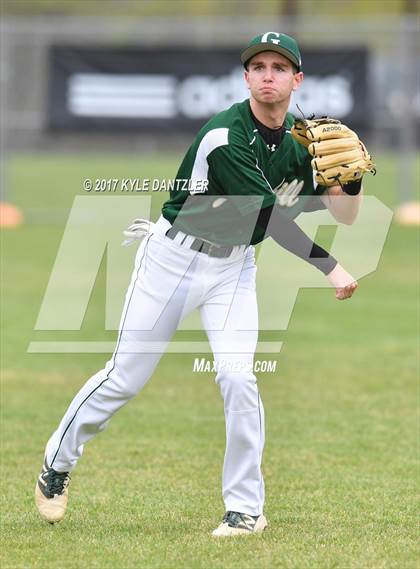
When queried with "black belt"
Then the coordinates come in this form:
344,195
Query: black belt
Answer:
210,249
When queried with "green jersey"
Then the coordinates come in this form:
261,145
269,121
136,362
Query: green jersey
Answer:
228,176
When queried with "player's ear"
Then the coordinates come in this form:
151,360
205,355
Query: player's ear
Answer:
246,77
297,80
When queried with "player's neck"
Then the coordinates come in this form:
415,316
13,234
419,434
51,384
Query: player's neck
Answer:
269,115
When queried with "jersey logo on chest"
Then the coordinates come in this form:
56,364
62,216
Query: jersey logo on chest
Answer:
288,192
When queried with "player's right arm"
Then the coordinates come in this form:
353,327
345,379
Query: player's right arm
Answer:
291,237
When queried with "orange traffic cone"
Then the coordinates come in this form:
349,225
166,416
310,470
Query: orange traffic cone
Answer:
408,213
10,215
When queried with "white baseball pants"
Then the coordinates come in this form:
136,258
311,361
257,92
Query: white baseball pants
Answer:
168,282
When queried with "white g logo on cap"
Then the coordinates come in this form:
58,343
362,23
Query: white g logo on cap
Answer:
266,38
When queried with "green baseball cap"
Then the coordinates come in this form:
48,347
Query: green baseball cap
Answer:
273,41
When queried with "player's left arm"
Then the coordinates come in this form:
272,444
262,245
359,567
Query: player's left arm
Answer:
343,206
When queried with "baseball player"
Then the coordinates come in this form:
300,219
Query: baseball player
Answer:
250,171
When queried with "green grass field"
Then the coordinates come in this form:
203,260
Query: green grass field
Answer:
341,458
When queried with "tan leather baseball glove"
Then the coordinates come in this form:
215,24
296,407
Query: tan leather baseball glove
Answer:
339,157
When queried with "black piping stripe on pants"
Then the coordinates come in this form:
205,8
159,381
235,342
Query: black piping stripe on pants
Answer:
114,357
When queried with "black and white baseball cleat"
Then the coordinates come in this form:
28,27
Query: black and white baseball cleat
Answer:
235,523
51,494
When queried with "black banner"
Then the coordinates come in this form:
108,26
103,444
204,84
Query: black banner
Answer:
181,88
